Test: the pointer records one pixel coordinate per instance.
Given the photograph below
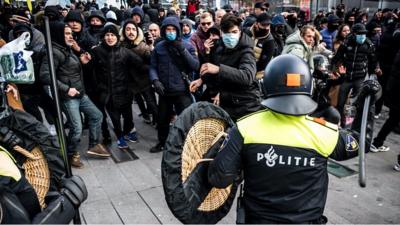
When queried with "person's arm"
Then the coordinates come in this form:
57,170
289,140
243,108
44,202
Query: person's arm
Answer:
45,73
266,54
189,56
153,72
226,166
243,75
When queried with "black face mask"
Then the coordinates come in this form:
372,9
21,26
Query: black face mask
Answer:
332,27
96,28
280,30
261,32
292,20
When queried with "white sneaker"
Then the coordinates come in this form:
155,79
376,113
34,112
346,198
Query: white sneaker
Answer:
377,116
379,149
397,167
52,130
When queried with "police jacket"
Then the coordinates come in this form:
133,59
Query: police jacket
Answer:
264,49
68,71
357,59
111,70
284,160
235,82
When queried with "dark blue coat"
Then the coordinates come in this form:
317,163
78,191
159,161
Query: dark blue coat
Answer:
165,58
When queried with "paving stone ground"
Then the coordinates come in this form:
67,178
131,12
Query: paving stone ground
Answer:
132,193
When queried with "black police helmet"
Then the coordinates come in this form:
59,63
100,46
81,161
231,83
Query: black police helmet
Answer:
321,66
288,86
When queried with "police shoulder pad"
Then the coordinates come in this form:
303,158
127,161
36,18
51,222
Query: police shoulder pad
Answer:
323,122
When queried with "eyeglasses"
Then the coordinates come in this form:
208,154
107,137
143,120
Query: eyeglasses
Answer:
206,23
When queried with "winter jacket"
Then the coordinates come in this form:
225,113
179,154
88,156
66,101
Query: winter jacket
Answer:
235,82
197,40
386,51
165,58
328,37
295,45
393,85
138,81
112,70
357,59
264,49
68,71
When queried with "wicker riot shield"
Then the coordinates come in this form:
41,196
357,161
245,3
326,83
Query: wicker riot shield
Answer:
197,131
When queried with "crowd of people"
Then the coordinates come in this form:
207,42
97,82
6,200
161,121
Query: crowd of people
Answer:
106,58
166,59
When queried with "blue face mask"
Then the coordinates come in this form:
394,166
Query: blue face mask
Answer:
360,38
230,39
171,36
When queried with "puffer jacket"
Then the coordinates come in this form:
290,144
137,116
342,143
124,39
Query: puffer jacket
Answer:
139,80
357,59
164,65
111,70
68,71
235,82
295,45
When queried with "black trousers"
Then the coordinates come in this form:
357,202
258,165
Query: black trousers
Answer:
344,91
388,126
115,114
382,81
151,104
166,107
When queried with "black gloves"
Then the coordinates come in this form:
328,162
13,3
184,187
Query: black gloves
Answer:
159,87
74,189
8,139
179,46
372,88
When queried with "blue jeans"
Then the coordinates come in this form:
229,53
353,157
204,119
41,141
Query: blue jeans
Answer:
73,108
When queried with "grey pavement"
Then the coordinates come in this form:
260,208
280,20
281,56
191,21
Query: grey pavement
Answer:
132,193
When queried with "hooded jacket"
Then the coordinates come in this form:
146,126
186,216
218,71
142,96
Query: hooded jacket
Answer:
67,65
139,80
112,66
166,56
235,82
295,45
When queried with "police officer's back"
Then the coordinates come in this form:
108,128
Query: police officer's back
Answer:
282,151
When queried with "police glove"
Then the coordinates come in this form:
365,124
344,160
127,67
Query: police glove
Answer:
74,189
159,87
8,139
370,88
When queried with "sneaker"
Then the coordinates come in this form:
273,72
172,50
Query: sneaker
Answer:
377,116
379,149
122,143
158,148
98,150
146,118
131,137
75,160
397,167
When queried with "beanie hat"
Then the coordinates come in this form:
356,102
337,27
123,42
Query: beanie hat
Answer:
278,20
137,11
74,15
359,28
111,15
333,19
110,29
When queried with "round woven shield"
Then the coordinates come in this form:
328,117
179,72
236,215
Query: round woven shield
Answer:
185,165
36,172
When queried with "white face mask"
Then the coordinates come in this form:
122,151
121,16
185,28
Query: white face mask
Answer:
230,39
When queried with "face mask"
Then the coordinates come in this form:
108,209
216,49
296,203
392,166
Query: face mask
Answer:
171,36
360,38
230,40
332,27
261,32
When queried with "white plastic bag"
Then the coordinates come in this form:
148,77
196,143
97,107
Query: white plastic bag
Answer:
16,64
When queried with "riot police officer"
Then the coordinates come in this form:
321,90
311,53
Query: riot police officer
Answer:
282,151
